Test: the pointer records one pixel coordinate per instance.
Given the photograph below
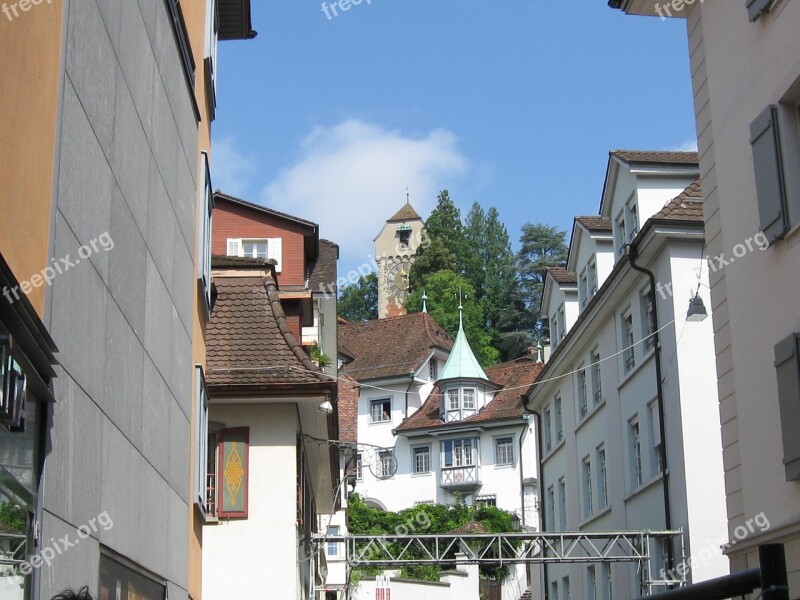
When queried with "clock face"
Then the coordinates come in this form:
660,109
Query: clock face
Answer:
397,279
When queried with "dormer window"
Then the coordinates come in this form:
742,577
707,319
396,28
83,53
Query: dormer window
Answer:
592,268
461,404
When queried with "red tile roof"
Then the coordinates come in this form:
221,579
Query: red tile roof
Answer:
390,347
657,157
561,275
595,223
348,409
515,377
322,278
688,206
249,342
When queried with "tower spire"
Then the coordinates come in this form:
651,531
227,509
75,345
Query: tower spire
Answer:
424,302
460,312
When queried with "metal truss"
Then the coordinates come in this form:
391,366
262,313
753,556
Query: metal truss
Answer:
392,551
13,548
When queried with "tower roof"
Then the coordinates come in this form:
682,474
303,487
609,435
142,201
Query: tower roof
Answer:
462,363
407,213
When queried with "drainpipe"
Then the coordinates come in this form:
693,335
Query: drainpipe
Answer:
633,253
540,473
521,469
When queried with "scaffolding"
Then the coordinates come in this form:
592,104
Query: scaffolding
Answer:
530,548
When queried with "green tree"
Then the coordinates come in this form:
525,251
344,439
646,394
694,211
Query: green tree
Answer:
359,302
475,235
542,247
447,248
443,289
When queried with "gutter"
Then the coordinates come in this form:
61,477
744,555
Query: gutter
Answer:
521,470
542,503
632,253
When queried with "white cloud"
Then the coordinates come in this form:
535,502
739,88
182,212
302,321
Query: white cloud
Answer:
231,171
353,176
688,146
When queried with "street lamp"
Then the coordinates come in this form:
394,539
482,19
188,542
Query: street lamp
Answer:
697,310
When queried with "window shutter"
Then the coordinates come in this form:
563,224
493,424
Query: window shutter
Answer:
768,166
756,8
275,251
234,461
235,247
787,365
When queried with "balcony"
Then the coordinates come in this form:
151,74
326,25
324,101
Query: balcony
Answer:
461,477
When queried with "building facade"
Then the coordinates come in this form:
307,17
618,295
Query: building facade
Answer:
745,69
395,248
627,402
109,115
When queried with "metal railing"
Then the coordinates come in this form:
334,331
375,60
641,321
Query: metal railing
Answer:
457,476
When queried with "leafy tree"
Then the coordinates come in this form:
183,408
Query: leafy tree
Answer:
13,517
359,302
542,247
447,249
443,289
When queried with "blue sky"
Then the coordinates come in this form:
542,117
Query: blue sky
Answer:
512,103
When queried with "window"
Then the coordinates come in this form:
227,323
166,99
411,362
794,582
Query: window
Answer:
591,583
486,500
359,467
210,62
265,248
452,400
635,452
380,410
592,278
769,173
583,403
121,581
554,590
504,451
422,459
551,509
602,478
587,487
565,587
756,8
619,233
559,421
333,547
597,384
182,38
554,330
626,323
469,399
562,504
608,582
459,453
583,288
206,207
787,366
648,319
460,404
386,464
233,480
433,370
655,435
562,323
633,218
548,435
200,440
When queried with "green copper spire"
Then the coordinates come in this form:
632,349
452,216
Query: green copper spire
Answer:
462,363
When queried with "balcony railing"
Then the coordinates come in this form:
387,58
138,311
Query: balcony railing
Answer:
211,495
455,477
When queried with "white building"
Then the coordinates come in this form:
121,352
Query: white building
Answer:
745,69
598,400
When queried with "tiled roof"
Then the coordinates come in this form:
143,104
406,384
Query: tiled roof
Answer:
561,275
348,409
515,377
249,342
323,273
391,347
595,223
688,206
240,262
657,157
407,213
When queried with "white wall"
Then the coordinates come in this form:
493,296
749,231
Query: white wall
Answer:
243,558
461,586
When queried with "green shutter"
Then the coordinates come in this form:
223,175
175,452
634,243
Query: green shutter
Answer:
768,166
234,450
756,8
787,365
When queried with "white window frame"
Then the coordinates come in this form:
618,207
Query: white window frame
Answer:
379,401
504,451
628,340
562,322
548,431
359,467
416,453
592,278
332,548
597,376
562,504
468,393
565,587
235,247
256,242
551,508
602,478
647,308
588,499
632,218
433,369
583,395
558,414
385,464
204,224
459,457
591,583
635,443
655,436
201,401
620,235
583,288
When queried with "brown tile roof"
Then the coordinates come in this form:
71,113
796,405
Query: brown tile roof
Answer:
561,275
239,262
390,347
657,157
688,206
249,342
515,377
348,409
407,213
595,223
322,278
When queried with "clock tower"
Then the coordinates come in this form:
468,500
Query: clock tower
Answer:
395,248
